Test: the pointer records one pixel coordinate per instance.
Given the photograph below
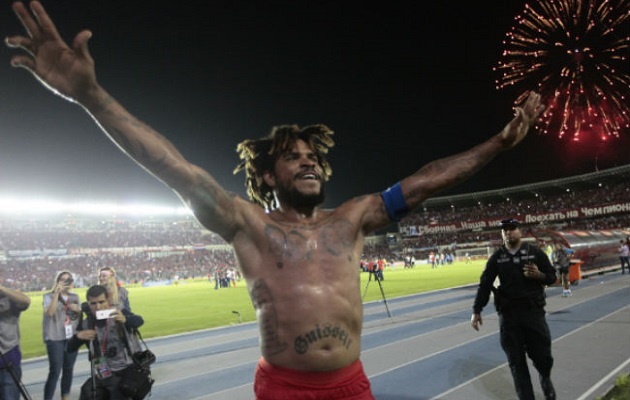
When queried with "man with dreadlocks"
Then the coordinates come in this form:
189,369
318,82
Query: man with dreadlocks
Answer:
300,262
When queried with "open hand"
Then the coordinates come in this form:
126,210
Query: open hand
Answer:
525,117
68,72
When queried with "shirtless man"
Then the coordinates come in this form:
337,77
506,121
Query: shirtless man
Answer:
299,261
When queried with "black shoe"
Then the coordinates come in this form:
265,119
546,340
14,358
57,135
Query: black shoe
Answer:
547,387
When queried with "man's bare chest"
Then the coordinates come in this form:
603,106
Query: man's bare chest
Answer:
296,243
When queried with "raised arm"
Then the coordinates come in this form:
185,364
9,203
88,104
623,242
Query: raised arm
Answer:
444,173
19,299
69,72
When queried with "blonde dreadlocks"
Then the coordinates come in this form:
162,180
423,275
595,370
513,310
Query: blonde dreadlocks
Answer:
260,155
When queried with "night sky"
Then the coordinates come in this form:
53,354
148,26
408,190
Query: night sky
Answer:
400,83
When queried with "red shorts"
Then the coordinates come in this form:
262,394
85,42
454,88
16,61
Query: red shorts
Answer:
277,383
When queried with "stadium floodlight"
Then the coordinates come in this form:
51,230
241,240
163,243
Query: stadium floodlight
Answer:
50,207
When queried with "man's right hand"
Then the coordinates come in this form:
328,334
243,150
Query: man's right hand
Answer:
476,321
68,72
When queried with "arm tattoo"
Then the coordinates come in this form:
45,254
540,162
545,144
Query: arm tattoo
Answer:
120,139
137,151
381,210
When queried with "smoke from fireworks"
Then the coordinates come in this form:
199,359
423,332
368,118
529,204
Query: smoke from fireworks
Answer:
575,54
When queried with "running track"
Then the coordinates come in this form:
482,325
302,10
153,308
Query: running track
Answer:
426,350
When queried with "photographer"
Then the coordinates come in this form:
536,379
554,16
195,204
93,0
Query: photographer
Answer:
523,271
61,318
111,332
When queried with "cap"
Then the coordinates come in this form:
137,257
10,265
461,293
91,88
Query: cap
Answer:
510,223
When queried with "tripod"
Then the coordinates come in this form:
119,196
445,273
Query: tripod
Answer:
17,380
380,286
91,389
94,392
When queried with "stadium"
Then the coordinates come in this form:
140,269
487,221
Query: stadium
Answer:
162,247
151,247
415,85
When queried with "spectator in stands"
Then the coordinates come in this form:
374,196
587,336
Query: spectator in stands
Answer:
118,295
12,303
293,254
624,256
523,271
561,260
61,316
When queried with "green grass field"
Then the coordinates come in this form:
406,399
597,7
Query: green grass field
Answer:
195,304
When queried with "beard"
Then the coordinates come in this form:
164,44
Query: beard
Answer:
512,241
295,199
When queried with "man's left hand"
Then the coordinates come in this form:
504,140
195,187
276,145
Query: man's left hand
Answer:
526,115
119,316
531,271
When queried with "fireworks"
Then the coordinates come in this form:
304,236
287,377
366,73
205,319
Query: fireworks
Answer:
575,54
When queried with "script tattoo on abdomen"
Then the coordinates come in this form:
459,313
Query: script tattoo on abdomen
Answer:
302,342
261,297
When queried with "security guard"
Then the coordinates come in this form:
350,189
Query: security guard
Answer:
523,270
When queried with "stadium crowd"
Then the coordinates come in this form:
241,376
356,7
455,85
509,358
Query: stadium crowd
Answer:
152,250
422,245
535,204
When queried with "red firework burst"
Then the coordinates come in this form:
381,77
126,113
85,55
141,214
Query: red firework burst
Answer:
575,54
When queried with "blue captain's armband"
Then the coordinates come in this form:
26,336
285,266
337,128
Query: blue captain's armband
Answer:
395,202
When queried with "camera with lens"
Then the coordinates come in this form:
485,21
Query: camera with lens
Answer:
144,358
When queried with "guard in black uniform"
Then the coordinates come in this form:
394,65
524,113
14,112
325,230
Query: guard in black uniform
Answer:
523,270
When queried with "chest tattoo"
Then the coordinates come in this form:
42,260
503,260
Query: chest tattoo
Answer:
293,246
337,237
289,246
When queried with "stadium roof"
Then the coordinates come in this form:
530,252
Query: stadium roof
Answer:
605,178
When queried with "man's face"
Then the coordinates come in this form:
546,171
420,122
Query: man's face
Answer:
297,178
98,303
511,235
